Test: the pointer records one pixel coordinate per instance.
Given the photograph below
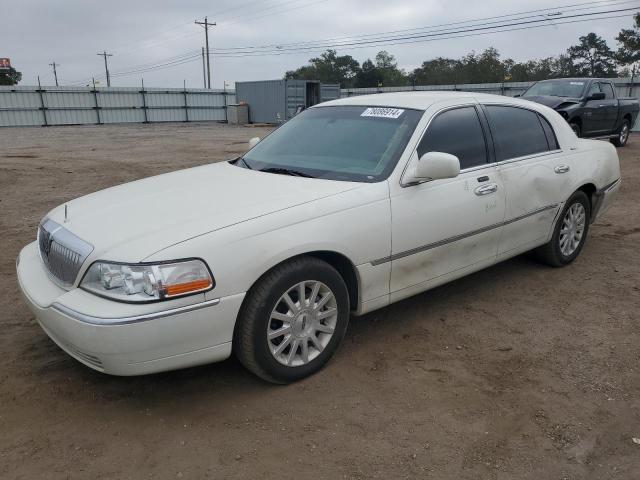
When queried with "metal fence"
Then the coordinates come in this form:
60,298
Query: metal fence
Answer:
624,88
44,106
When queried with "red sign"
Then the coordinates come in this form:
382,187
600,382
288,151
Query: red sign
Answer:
5,64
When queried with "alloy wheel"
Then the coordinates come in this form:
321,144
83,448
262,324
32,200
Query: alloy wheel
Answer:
572,229
302,323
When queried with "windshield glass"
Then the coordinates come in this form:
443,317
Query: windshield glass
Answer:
557,88
340,143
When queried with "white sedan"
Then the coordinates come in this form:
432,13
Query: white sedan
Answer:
350,206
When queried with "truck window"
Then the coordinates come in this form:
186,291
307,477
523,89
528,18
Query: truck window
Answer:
608,91
594,88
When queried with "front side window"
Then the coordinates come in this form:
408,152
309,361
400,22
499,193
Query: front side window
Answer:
353,143
459,133
595,88
516,132
608,91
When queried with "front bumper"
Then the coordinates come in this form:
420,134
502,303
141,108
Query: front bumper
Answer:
128,339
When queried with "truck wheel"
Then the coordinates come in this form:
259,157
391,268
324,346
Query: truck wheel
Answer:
576,129
623,135
292,321
569,234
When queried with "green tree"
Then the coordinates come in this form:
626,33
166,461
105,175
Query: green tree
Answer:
10,77
329,67
383,72
629,45
593,57
439,71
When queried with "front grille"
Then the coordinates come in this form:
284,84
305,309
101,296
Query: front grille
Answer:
62,252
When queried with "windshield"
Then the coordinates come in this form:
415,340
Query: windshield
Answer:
340,143
557,88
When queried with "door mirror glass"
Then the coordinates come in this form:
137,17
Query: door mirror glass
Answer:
253,142
596,96
436,166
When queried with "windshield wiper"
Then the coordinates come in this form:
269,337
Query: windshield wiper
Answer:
286,171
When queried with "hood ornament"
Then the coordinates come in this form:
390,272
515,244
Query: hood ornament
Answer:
65,213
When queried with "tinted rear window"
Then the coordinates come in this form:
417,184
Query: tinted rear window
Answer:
516,132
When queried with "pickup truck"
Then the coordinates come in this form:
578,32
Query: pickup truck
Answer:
589,105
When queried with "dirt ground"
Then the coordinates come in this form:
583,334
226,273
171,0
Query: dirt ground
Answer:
517,372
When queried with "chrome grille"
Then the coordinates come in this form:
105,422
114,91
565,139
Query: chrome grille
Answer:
62,252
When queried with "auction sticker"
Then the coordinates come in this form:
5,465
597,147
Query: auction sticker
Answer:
382,112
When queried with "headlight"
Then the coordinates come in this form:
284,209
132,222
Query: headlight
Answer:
147,282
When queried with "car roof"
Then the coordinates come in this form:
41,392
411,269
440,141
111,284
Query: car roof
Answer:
417,100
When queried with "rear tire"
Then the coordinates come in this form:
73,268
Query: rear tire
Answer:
569,233
292,321
623,134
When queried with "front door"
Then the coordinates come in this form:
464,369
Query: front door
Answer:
594,119
445,226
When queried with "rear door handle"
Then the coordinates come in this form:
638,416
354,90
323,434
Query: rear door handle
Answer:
486,189
561,169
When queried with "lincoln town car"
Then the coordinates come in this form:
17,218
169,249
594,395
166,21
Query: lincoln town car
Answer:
348,207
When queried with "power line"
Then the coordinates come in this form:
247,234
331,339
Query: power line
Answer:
550,12
388,38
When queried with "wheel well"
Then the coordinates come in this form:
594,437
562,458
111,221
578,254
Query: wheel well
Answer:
628,117
345,268
342,264
590,190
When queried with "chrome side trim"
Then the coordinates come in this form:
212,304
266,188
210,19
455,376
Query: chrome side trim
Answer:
462,236
611,186
81,317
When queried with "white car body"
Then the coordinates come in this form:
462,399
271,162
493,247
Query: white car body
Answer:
391,239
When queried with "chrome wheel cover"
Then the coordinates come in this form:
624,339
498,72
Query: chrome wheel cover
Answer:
624,133
302,323
572,229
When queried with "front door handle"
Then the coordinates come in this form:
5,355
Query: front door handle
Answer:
486,189
561,169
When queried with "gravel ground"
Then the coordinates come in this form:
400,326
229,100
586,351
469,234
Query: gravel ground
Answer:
519,371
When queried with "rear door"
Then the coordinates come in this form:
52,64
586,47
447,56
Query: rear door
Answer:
447,225
534,175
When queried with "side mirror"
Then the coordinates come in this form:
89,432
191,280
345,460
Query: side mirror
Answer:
435,166
517,96
253,142
596,96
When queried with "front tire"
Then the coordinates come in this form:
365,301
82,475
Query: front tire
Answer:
576,129
292,321
623,134
569,234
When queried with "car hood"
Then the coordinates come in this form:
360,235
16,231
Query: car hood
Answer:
553,101
132,221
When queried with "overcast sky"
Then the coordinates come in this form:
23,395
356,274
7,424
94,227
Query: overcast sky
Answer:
35,33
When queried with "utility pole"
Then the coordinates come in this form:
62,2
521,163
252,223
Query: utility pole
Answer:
204,71
55,74
206,26
106,68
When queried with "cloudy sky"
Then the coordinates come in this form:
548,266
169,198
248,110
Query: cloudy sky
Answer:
158,40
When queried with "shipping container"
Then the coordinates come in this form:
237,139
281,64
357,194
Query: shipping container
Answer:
276,101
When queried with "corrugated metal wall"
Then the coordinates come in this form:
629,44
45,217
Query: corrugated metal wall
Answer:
23,106
624,88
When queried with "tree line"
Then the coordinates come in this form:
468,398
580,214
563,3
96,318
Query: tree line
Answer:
590,57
